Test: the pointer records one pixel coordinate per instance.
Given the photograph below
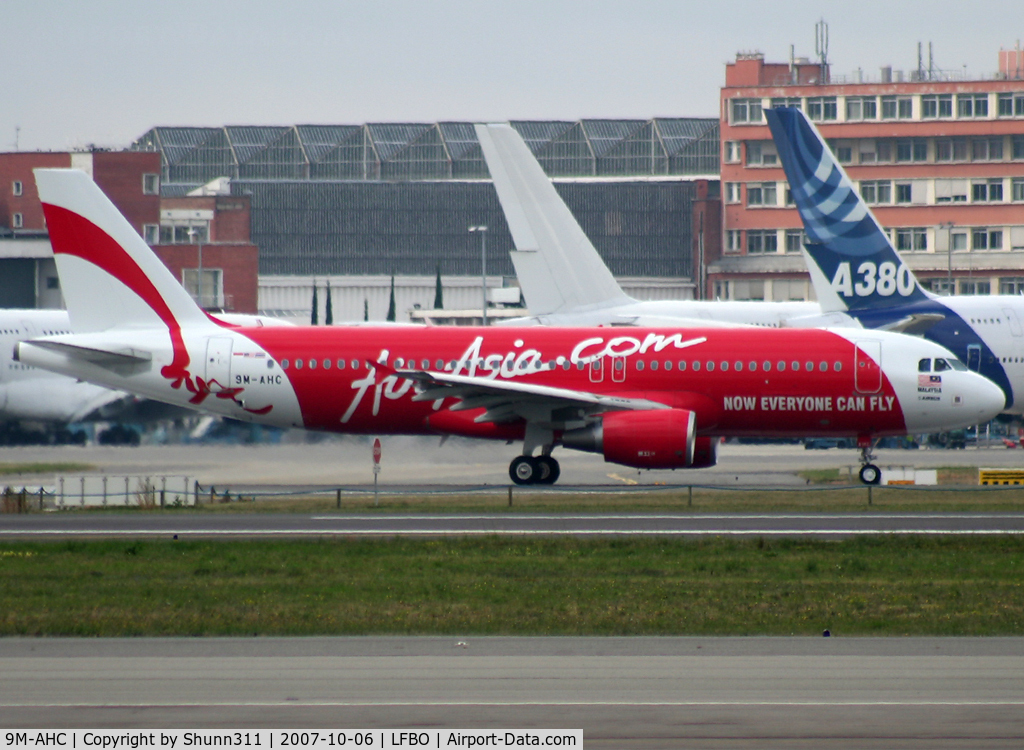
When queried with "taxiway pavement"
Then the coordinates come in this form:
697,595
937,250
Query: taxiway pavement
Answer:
624,692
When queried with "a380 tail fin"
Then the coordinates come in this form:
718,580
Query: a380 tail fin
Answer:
109,276
558,268
852,262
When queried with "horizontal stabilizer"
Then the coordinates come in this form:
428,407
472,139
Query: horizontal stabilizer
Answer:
915,325
110,359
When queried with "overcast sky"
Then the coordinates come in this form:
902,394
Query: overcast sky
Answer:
105,71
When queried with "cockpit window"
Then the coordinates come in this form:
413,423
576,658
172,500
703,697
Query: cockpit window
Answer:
925,365
956,364
942,365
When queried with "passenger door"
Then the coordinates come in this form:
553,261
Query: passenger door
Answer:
867,366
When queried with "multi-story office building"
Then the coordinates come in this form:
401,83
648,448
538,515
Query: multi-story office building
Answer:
189,233
939,157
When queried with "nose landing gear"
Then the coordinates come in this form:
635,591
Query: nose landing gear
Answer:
869,473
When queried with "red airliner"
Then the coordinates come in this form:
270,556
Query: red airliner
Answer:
647,398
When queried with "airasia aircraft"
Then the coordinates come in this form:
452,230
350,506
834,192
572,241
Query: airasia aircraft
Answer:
647,398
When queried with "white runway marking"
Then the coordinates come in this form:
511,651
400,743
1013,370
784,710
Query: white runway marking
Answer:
510,532
494,704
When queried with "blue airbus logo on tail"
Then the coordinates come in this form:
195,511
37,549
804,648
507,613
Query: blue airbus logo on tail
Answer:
843,237
856,270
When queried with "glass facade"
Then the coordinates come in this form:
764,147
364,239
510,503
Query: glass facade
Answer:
430,151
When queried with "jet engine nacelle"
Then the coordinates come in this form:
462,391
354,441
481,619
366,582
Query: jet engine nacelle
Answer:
657,439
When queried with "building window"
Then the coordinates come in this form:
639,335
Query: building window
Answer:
762,194
821,108
951,191
912,149
17,221
883,151
762,153
876,191
987,149
791,101
1011,104
16,187
897,107
150,184
950,149
991,190
1011,285
983,238
213,286
854,108
762,241
732,192
904,192
1018,147
151,233
184,234
972,105
844,152
733,240
746,110
975,287
1017,190
958,241
911,238
794,240
748,289
936,105
732,151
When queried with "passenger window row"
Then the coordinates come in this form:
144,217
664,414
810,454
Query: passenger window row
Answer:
739,366
619,364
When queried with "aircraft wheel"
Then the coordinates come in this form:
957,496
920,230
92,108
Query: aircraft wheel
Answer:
524,470
870,474
549,470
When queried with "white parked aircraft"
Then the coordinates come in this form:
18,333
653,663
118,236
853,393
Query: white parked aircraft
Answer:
562,277
30,394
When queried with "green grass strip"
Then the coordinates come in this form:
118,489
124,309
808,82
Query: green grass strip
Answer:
8,469
493,585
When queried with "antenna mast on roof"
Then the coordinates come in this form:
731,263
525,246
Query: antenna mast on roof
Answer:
821,48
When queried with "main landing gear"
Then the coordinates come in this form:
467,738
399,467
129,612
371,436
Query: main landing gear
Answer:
869,473
534,470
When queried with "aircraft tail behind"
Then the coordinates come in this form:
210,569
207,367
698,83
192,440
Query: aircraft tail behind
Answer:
852,262
110,278
557,266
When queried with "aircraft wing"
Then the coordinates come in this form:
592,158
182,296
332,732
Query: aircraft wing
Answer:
504,400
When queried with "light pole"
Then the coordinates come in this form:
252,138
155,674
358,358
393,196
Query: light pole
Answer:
948,226
482,229
192,232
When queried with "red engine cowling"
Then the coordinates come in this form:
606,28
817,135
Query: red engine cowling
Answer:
657,439
705,452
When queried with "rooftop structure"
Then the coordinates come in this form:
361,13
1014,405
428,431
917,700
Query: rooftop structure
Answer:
938,157
658,147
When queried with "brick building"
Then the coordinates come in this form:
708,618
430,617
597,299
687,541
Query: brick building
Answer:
176,228
937,156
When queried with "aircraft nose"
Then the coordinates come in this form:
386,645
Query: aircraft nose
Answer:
984,397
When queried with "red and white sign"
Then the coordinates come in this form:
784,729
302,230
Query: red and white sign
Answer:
376,451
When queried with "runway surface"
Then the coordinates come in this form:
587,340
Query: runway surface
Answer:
623,692
189,526
341,461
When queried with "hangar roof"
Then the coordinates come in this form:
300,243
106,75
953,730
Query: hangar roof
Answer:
430,151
